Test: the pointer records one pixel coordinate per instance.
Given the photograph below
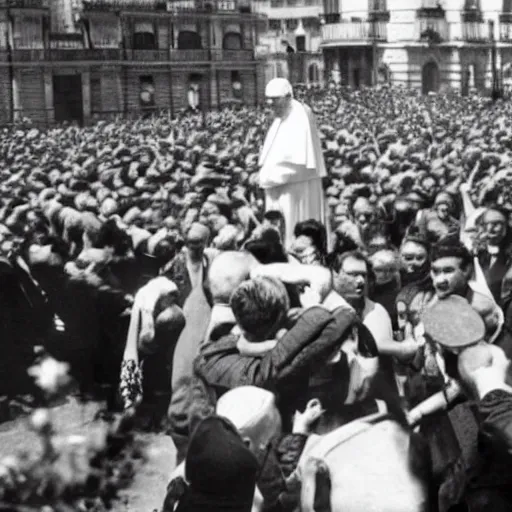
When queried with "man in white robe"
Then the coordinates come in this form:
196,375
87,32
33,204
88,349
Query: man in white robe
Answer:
291,161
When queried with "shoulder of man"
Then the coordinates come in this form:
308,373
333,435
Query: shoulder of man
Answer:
314,314
225,344
220,361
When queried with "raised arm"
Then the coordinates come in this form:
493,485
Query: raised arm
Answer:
319,278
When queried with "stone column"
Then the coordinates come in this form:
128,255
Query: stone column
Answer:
48,95
86,95
16,97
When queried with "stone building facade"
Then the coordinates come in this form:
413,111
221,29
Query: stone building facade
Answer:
426,44
127,56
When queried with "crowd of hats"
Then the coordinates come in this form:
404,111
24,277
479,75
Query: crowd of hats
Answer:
377,142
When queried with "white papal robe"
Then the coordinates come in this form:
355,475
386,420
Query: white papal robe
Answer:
292,167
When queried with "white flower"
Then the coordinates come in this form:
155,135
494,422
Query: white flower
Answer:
50,375
10,461
76,440
4,472
40,420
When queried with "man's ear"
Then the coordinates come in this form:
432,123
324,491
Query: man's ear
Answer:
468,270
247,441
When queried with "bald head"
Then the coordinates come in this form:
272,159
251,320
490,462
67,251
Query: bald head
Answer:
227,271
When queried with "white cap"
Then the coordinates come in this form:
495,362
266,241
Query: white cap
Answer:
279,88
249,408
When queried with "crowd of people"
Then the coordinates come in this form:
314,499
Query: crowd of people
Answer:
141,253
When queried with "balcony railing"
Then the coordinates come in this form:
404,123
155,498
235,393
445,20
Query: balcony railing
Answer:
431,30
190,55
352,31
232,55
207,6
475,32
297,3
67,55
148,55
506,31
67,41
127,5
116,54
25,4
173,6
28,55
84,54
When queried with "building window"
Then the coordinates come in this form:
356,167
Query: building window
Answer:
104,32
276,3
28,32
311,24
189,40
331,7
236,85
313,74
232,41
291,24
300,43
472,11
147,92
144,36
378,5
274,25
472,5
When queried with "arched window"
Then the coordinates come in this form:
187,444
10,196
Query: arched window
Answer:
313,74
232,41
144,36
189,40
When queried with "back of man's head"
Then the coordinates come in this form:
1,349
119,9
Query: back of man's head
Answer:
260,306
227,271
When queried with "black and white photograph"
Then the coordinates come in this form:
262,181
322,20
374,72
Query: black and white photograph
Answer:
255,255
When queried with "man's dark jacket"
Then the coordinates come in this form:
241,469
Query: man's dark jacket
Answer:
285,370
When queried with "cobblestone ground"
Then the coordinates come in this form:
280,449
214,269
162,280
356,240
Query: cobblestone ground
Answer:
147,491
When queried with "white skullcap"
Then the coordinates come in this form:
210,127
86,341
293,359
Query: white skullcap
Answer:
279,88
252,410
